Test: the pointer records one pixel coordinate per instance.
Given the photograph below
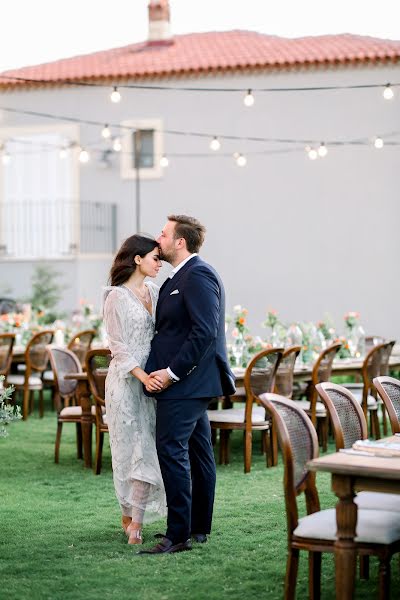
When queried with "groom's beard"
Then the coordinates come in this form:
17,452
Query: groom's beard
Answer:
168,255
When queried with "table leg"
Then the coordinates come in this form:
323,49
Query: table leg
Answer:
83,394
345,548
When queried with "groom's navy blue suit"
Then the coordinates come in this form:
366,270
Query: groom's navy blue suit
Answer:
190,340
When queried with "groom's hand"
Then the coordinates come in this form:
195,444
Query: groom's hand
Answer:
153,384
162,376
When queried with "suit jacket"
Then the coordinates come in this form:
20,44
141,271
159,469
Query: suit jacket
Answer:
190,334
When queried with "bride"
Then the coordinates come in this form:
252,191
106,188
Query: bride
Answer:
129,316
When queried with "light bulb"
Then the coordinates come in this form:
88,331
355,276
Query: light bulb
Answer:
84,156
117,145
63,153
322,150
312,154
5,158
388,92
248,99
378,143
106,132
115,96
164,162
241,160
215,144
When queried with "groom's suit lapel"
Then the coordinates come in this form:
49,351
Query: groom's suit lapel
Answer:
172,284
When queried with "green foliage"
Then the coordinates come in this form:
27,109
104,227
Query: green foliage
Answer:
62,540
46,293
8,413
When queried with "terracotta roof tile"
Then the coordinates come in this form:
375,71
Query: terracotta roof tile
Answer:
202,53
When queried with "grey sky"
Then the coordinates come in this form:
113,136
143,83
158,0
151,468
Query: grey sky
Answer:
36,31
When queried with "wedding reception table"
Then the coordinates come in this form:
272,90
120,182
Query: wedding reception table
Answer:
351,473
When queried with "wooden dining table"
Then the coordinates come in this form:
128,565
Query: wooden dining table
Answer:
352,473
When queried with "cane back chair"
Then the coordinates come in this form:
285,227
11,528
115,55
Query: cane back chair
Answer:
7,341
389,390
97,362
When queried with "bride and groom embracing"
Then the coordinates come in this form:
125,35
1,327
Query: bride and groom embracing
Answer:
169,361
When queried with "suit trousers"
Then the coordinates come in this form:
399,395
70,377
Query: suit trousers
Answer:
186,457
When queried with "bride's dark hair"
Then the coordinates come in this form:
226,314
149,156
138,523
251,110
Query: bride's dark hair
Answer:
124,262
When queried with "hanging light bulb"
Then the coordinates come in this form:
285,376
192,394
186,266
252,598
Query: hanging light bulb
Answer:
248,99
215,144
117,146
312,153
378,143
388,92
63,152
106,132
241,160
115,96
84,156
164,162
5,158
322,150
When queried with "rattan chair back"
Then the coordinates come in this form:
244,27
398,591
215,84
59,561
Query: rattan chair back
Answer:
385,356
97,363
285,372
63,362
36,356
259,377
323,365
6,347
347,418
81,342
388,389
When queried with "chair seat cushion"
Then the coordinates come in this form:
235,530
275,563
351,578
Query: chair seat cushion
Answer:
76,411
34,381
48,376
378,501
21,367
305,405
236,415
373,526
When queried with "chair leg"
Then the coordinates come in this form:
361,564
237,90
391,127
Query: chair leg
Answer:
274,444
248,437
58,442
31,401
223,447
364,566
268,447
41,404
384,420
292,566
384,578
79,440
99,451
314,575
25,403
324,434
375,420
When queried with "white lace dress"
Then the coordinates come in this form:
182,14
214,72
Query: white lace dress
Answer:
131,415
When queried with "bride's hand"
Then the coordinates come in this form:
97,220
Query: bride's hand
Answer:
153,384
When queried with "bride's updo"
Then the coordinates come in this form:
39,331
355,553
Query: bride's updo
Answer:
124,262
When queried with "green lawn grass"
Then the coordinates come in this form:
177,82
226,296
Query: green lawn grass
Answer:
60,531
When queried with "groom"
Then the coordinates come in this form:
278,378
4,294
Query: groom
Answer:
188,353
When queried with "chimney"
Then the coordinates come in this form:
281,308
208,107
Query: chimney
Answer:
159,25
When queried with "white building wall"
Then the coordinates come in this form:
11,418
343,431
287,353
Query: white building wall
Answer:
304,237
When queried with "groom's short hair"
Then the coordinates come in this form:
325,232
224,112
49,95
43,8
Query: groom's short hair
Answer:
190,229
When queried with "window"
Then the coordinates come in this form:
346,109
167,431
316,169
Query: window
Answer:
38,194
141,148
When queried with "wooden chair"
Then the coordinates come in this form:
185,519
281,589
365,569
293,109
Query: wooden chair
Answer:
377,530
385,358
258,378
7,341
97,363
349,425
388,389
63,362
322,370
36,359
285,372
365,392
80,344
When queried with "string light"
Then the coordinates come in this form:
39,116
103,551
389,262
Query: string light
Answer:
106,132
5,158
164,162
312,153
378,143
388,92
322,150
63,153
115,96
84,156
248,99
241,160
215,144
117,146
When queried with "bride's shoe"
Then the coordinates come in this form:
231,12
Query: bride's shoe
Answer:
126,521
135,536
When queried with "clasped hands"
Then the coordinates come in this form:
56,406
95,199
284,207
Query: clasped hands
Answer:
157,381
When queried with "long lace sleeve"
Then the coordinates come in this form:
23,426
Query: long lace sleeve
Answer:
115,313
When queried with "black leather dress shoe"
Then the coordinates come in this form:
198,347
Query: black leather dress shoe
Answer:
199,538
167,547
